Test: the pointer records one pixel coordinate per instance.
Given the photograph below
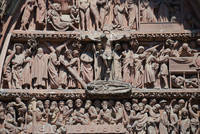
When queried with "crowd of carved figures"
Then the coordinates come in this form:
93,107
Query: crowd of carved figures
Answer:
137,116
73,64
95,14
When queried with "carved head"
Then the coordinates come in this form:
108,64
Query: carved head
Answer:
156,108
69,103
167,109
61,105
144,101
198,42
88,103
56,6
104,105
127,106
78,103
40,105
184,113
154,52
97,105
141,106
32,42
54,105
185,46
75,53
195,108
135,107
99,46
11,110
163,103
18,100
40,51
117,47
68,55
118,105
140,50
176,108
47,104
152,102
18,48
181,103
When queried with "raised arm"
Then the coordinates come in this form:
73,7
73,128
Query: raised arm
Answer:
195,115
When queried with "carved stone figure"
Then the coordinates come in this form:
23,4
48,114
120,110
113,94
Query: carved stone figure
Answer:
28,15
57,21
63,75
105,114
140,118
27,81
185,51
117,65
84,14
164,121
78,116
164,58
149,74
128,114
98,62
132,11
119,14
40,75
194,116
17,66
103,10
40,125
54,112
21,108
68,112
60,123
185,122
95,12
91,112
41,12
147,9
174,117
3,128
86,65
128,68
76,65
139,57
118,112
53,65
47,110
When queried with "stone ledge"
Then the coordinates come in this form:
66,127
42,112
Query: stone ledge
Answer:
77,34
80,93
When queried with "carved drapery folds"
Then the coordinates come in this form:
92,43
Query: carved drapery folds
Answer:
102,116
74,64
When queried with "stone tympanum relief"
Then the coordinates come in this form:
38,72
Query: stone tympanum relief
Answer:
87,15
74,64
71,116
